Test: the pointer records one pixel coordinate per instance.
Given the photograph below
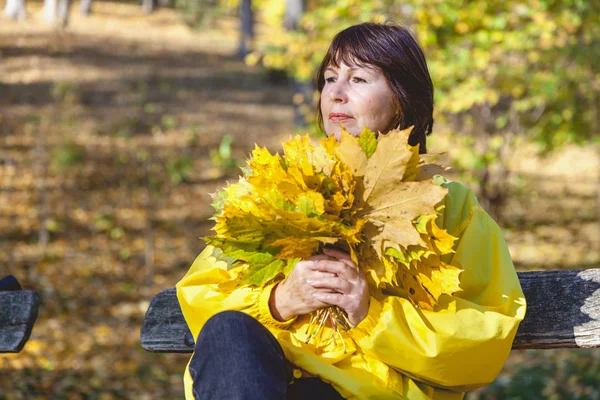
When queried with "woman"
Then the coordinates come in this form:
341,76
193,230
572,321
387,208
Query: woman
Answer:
372,76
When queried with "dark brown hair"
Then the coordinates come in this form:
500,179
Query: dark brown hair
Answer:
393,50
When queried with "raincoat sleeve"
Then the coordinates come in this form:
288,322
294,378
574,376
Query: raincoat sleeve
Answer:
208,288
463,344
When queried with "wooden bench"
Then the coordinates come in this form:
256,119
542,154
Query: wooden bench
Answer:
18,312
563,310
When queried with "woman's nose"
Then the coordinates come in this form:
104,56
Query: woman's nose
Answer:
339,92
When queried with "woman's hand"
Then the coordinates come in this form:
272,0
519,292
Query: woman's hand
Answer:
320,281
295,295
347,288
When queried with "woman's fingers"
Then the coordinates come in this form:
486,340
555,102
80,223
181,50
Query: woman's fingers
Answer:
313,276
333,299
334,267
335,284
341,256
320,257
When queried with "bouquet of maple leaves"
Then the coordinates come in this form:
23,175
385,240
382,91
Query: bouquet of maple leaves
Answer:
375,197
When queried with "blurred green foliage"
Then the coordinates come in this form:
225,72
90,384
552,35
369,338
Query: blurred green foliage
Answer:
66,92
548,374
532,64
168,122
180,169
201,13
67,156
222,157
503,71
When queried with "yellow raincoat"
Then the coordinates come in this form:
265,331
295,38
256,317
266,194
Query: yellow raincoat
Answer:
398,351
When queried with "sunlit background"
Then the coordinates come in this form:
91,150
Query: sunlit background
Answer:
117,119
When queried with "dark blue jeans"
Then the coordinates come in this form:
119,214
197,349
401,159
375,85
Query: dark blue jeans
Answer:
235,357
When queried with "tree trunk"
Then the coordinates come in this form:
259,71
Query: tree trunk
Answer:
246,29
85,8
41,166
293,12
148,229
303,91
64,7
148,6
303,104
15,9
11,165
50,11
595,131
164,3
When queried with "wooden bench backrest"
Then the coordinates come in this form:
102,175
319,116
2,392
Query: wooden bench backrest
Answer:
563,310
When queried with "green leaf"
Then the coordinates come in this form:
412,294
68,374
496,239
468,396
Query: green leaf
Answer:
306,206
249,229
219,255
262,268
218,200
368,142
397,254
290,265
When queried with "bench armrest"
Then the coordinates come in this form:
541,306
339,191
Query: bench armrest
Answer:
18,312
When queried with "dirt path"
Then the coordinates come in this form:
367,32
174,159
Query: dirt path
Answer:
133,95
118,82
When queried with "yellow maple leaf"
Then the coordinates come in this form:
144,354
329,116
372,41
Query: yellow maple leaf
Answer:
297,154
266,165
292,247
437,239
335,204
322,160
330,144
393,211
437,278
413,164
386,167
412,283
372,264
351,153
425,281
303,164
268,171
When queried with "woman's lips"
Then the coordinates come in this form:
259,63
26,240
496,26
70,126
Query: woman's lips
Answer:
337,117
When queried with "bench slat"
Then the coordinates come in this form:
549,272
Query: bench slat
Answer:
563,310
18,312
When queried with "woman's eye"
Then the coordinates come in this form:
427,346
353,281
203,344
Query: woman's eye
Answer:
358,80
331,79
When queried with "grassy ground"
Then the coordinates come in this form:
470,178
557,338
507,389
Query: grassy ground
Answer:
106,132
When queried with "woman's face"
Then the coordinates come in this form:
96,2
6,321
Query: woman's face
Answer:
358,97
